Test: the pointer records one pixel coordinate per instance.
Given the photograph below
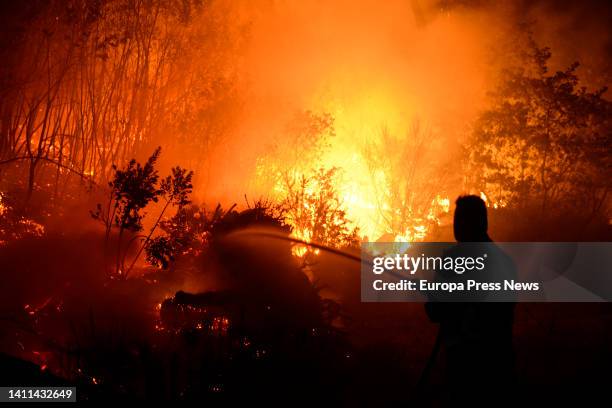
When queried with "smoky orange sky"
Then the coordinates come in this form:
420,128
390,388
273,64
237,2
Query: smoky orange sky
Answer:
374,64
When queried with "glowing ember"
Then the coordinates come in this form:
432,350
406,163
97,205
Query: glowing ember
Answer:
2,205
220,325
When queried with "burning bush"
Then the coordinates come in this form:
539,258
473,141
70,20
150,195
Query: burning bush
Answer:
401,169
316,212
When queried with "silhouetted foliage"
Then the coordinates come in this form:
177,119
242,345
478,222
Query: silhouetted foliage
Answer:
131,190
261,213
190,230
544,141
160,251
175,188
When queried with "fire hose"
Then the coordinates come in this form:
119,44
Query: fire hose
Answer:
424,377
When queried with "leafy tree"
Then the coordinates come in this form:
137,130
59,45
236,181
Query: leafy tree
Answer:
131,191
160,251
175,189
184,233
545,141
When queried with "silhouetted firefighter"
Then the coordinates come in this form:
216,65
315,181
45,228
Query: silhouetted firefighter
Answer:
476,336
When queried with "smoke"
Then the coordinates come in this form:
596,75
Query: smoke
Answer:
369,65
372,64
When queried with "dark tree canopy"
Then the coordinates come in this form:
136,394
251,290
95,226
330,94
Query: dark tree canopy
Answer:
545,141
